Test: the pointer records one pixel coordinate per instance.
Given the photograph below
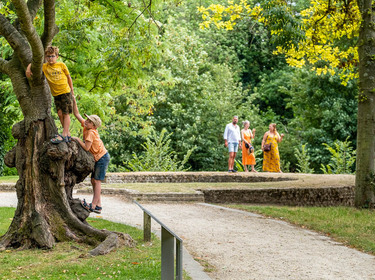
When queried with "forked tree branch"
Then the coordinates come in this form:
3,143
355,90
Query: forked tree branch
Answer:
34,6
152,16
149,5
26,23
50,27
15,39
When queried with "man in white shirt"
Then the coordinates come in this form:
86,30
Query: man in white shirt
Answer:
232,138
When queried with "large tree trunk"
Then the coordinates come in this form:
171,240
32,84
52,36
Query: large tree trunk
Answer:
365,177
46,211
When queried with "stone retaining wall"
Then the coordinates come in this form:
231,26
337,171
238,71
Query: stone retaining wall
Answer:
327,196
303,196
190,177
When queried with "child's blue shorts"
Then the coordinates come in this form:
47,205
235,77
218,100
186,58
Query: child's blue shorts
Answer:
100,167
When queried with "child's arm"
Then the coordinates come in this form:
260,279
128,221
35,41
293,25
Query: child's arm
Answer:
75,110
70,83
28,71
85,145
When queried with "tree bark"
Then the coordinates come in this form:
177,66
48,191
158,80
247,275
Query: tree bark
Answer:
46,211
365,177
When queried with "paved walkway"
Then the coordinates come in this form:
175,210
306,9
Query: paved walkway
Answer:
241,245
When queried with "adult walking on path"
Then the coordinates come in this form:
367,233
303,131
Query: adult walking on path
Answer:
271,158
240,245
232,139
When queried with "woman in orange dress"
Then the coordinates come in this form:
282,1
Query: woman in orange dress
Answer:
271,159
248,157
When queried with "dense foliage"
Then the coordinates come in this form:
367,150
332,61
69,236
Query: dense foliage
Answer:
146,70
9,113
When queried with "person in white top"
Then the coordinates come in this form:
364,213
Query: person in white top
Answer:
232,138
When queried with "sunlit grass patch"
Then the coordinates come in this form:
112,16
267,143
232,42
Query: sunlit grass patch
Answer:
69,260
8,179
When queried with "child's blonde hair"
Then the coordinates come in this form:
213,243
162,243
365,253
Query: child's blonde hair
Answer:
52,50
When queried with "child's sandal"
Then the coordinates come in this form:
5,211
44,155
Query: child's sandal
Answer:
85,205
97,209
57,139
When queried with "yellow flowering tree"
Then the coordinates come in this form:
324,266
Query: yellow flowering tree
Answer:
329,37
329,30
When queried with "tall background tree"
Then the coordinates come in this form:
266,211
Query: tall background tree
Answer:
365,190
322,36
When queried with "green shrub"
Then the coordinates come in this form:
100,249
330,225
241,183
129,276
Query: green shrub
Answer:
158,155
303,160
342,158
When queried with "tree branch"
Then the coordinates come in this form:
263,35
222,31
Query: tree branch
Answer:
152,16
26,23
15,39
139,16
3,66
50,27
34,6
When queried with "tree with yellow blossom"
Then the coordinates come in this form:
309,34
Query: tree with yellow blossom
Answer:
330,37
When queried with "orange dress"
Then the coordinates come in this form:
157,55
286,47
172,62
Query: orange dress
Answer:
271,159
247,159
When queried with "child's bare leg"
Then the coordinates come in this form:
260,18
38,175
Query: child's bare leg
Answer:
253,169
61,117
245,168
97,188
66,125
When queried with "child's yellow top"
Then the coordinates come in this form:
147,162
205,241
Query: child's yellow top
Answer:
56,75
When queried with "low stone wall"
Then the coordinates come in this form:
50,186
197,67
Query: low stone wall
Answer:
327,196
191,177
306,195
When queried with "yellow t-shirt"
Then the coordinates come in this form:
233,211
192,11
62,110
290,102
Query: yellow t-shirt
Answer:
56,75
97,147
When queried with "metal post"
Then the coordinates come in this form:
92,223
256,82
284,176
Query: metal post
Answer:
168,238
146,227
167,255
178,259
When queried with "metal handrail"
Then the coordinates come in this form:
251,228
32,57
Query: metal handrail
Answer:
168,238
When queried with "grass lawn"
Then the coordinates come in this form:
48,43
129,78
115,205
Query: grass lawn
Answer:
351,226
68,260
8,179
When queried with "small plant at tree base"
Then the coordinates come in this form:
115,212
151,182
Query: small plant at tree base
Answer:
158,155
303,160
342,158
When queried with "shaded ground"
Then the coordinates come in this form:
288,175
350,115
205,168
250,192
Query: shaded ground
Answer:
241,245
234,244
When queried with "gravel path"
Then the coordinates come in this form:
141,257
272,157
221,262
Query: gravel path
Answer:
241,245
